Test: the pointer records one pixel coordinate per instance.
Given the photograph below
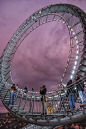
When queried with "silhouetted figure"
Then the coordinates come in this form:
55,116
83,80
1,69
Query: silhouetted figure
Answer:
43,91
25,90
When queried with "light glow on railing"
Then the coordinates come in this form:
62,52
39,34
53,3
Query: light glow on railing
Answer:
76,57
74,67
77,52
73,71
75,63
71,77
76,41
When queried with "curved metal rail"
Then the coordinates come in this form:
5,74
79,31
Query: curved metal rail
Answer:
26,107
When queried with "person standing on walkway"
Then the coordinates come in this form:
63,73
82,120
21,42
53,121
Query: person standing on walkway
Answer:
80,89
25,90
12,94
70,94
43,91
32,92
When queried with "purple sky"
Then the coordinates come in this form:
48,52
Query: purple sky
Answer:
42,56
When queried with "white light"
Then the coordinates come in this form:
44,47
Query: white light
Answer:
50,97
71,29
33,17
77,52
76,41
40,12
73,72
76,57
75,37
69,26
63,22
64,84
56,105
74,33
74,67
84,82
37,97
56,96
71,76
75,62
75,88
77,46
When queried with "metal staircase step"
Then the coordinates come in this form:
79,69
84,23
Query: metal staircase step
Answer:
7,98
17,109
13,105
22,112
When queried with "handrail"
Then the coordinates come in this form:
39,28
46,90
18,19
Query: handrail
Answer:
56,92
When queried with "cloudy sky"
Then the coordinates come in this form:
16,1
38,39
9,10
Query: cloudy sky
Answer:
42,56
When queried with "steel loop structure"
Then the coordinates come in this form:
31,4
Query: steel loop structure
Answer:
28,108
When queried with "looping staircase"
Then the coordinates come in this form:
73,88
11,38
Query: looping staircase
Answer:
28,108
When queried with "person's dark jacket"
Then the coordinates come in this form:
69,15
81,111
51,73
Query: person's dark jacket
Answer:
43,92
25,90
79,85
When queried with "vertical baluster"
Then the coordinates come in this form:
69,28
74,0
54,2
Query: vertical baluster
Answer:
57,104
25,103
44,105
30,104
38,107
20,102
52,100
33,105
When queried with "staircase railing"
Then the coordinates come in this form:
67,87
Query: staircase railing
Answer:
30,107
